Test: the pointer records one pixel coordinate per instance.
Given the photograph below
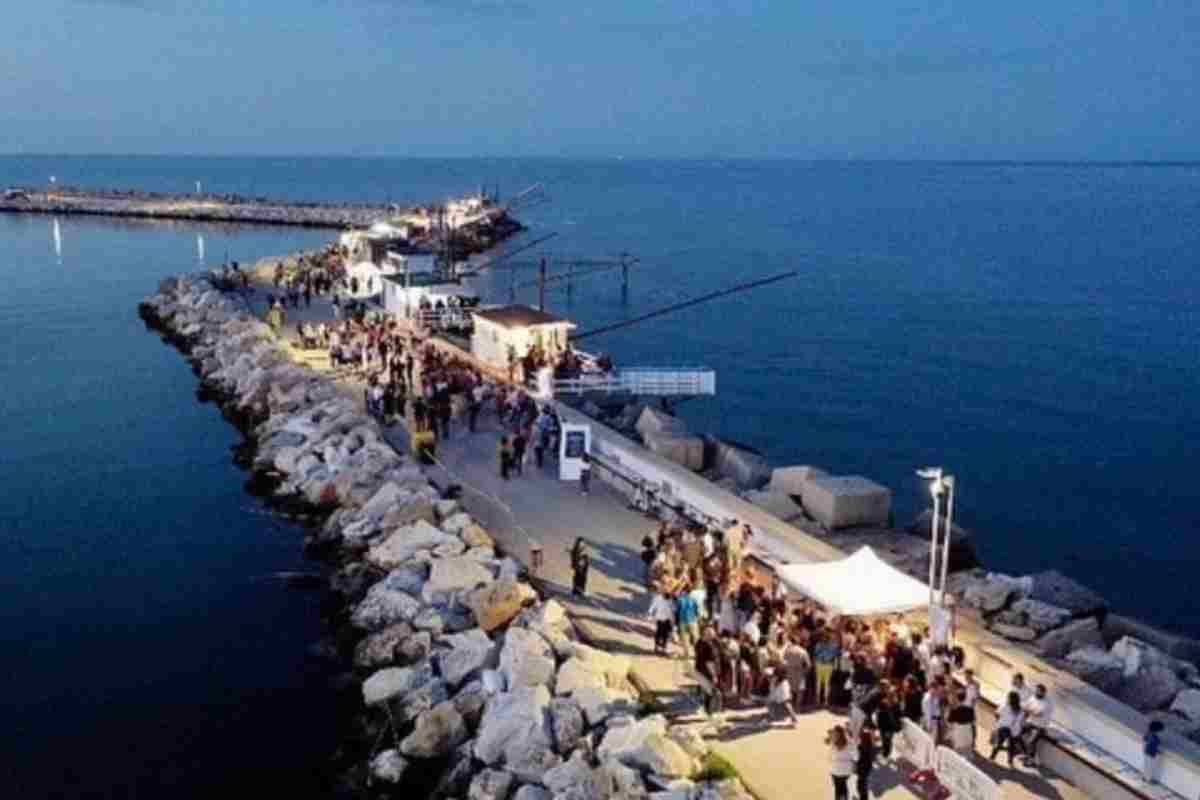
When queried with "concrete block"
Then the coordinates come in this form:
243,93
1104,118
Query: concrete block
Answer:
791,480
750,470
847,501
780,504
686,451
652,421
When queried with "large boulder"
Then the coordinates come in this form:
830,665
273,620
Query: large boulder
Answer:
1187,703
1098,667
1059,590
531,792
379,649
491,784
846,501
566,724
1074,635
1181,647
388,767
574,779
1035,614
574,674
436,733
384,606
644,745
393,681
511,716
456,780
526,659
620,781
407,708
469,653
448,577
598,705
614,666
496,604
791,480
405,542
1151,687
530,760
653,421
993,592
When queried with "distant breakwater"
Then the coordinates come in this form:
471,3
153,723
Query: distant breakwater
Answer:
459,680
235,209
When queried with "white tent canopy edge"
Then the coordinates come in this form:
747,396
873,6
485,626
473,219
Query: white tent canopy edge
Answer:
858,585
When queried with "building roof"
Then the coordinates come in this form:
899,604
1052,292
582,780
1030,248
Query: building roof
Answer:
421,279
519,317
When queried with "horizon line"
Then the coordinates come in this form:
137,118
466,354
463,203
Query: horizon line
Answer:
682,159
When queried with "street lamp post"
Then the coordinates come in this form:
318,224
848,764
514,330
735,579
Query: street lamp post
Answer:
939,483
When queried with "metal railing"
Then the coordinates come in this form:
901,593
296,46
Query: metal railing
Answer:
649,381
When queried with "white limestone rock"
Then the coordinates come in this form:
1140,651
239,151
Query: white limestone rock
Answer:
644,745
1187,703
847,501
448,577
1098,667
491,784
1035,614
404,542
469,653
614,666
993,591
388,767
414,649
530,761
456,523
599,705
526,659
393,681
474,536
436,733
511,716
449,549
619,781
1018,633
384,606
1073,636
1152,687
493,681
531,792
574,674
574,779
566,724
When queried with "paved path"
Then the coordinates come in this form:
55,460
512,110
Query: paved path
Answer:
776,763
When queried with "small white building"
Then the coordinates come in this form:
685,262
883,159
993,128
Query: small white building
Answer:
381,250
405,296
505,334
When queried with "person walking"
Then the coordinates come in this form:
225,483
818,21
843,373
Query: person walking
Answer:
961,723
1151,748
779,699
708,670
887,720
585,474
505,453
662,613
797,664
688,616
843,760
649,553
825,656
580,564
865,762
518,453
1007,735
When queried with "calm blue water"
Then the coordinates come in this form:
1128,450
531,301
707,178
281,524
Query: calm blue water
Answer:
1031,327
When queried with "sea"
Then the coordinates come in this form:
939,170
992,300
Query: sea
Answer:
1030,327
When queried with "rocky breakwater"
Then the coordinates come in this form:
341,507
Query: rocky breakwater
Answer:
1069,625
460,681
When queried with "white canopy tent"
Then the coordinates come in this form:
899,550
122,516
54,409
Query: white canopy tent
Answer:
859,584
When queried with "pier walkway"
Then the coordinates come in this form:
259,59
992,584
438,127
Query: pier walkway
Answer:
536,508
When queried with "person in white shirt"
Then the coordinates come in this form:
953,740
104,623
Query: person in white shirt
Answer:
780,698
1018,686
1009,722
751,629
843,757
933,711
1039,710
662,612
971,700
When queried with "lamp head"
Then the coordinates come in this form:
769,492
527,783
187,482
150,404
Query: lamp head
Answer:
930,473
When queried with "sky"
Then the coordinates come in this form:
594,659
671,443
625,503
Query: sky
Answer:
820,79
